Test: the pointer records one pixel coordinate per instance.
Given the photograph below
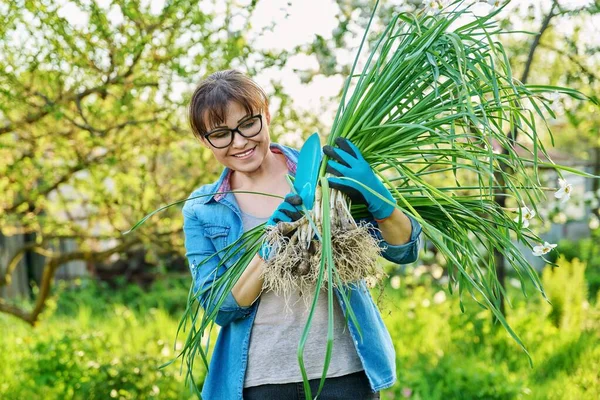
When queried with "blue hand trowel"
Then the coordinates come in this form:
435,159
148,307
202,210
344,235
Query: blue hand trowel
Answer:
307,170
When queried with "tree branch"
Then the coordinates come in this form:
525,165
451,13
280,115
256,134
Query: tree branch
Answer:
6,278
573,59
52,264
536,42
512,135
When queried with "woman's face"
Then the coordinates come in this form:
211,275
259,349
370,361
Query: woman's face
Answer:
243,154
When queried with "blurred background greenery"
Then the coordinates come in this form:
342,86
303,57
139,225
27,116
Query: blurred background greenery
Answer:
93,136
97,342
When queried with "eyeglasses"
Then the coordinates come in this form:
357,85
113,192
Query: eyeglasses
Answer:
223,137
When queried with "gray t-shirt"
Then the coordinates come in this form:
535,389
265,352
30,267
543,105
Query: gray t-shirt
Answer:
276,333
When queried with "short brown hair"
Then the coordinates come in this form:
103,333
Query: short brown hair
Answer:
210,99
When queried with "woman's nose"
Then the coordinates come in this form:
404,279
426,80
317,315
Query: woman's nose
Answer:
238,141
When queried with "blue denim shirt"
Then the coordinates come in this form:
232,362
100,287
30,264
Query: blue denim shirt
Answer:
213,222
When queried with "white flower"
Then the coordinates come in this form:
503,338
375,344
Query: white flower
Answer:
564,192
560,218
439,297
433,6
515,283
543,249
395,282
437,271
594,222
525,215
494,3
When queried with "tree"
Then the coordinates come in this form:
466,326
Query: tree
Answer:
93,131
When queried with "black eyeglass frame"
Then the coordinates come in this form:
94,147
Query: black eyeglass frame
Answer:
234,130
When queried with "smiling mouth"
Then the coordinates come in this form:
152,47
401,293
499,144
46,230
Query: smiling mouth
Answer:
245,154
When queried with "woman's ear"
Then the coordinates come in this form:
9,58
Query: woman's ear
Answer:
268,116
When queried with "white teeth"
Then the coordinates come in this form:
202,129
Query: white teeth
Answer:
243,154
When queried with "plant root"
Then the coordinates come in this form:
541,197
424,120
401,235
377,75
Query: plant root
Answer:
296,259
355,253
295,268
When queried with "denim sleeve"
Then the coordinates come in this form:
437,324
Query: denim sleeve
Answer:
404,253
204,266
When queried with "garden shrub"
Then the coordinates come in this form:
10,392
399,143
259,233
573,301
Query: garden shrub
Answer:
566,299
588,251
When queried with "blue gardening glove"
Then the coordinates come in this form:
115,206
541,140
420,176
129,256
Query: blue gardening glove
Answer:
346,161
287,211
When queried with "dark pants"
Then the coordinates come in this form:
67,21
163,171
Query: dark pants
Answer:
348,387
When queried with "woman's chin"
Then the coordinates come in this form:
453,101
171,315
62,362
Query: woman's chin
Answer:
245,168
246,165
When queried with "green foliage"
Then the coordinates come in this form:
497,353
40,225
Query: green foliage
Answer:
566,300
97,349
80,366
586,250
443,354
108,343
470,378
166,295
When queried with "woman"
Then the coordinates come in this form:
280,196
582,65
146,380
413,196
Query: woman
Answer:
255,356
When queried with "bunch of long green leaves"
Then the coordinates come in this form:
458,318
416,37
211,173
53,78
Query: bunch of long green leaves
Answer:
434,100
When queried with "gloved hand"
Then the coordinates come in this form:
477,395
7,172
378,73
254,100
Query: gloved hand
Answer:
287,211
346,161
